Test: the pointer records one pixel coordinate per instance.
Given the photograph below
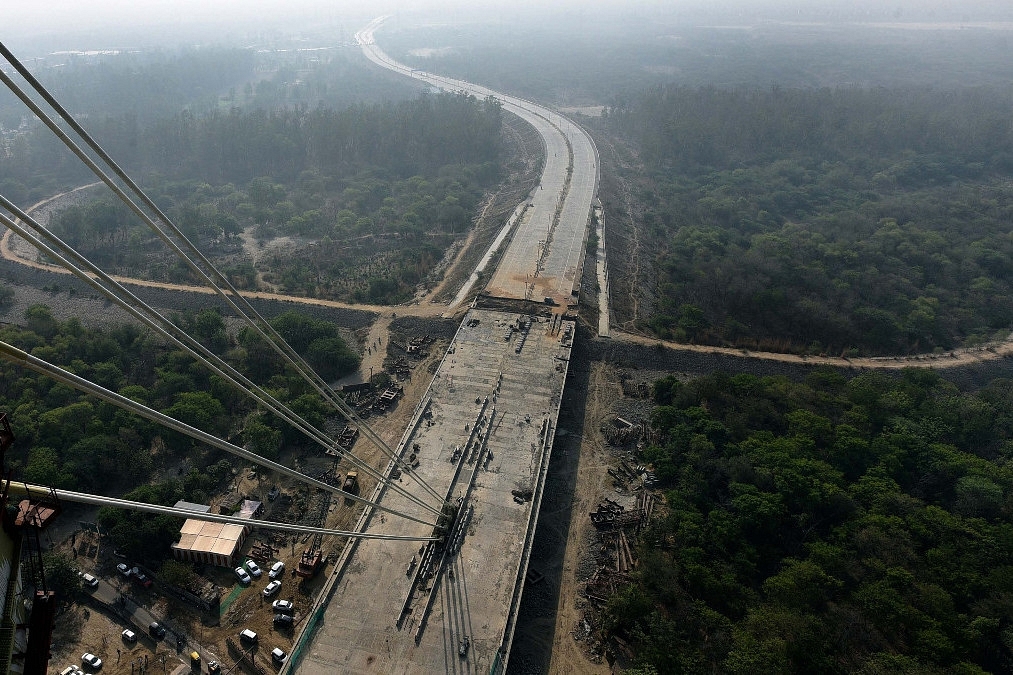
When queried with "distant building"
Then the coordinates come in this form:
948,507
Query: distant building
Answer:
209,543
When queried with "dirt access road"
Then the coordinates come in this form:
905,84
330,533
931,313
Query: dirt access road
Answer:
19,251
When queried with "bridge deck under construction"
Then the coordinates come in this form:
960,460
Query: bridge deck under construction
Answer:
483,432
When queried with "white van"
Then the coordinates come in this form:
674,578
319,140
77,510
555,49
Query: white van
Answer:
89,580
277,569
248,636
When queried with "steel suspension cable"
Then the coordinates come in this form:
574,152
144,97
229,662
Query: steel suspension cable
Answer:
26,360
263,328
266,331
30,491
177,336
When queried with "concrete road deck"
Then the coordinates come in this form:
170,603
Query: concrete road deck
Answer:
513,398
544,254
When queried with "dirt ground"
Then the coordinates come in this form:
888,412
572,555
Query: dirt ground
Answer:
592,484
82,629
551,635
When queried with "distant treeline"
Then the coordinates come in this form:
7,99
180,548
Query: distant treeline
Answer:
142,85
405,138
120,97
841,221
697,129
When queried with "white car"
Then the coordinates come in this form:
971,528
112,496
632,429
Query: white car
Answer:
129,635
89,580
91,661
272,588
283,606
254,569
123,569
277,569
244,577
278,656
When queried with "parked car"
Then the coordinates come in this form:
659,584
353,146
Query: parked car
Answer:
91,661
248,636
278,656
89,580
254,569
214,668
244,576
283,620
129,635
272,588
156,630
283,606
273,493
142,579
72,670
123,569
277,569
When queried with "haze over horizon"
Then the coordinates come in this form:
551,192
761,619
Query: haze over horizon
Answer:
110,24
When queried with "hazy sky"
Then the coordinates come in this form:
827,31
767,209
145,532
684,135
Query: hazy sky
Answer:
59,15
23,20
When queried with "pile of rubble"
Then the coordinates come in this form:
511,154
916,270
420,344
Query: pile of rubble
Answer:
413,346
621,431
627,478
635,389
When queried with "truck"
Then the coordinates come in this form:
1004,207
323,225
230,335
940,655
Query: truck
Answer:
351,486
309,563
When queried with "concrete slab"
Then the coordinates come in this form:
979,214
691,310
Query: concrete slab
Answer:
513,398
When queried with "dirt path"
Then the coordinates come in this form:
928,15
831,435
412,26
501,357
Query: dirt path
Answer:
13,252
953,359
375,347
452,269
568,655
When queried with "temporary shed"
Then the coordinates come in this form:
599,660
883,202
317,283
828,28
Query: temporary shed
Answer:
202,541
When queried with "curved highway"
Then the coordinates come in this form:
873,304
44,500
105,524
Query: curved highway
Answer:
482,436
544,255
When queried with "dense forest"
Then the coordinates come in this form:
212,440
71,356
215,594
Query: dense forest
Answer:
828,526
376,193
145,86
68,440
121,96
843,221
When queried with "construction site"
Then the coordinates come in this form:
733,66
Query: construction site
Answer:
481,436
373,553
